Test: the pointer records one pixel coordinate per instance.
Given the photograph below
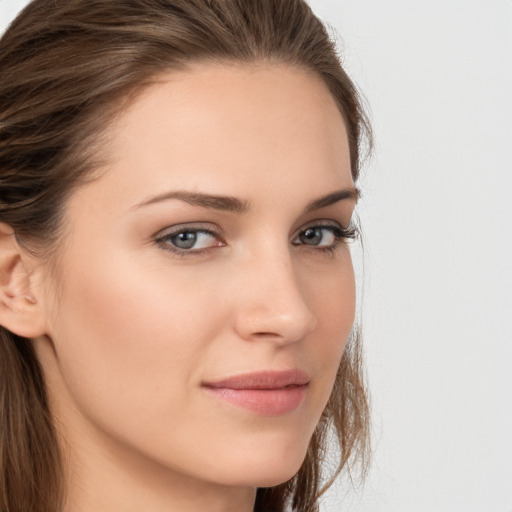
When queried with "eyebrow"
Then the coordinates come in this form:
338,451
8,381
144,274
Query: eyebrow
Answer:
352,193
235,205
224,203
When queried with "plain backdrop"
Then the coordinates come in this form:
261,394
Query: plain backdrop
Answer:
437,280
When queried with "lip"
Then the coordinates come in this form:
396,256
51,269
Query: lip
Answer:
268,393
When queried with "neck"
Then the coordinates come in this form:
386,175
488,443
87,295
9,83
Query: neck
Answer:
107,482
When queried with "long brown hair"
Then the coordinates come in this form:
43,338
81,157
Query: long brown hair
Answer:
65,68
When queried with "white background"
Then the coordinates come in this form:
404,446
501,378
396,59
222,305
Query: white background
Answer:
437,218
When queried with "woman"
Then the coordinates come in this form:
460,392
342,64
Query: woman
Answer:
177,182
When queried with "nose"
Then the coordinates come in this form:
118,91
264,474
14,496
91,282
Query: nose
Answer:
272,303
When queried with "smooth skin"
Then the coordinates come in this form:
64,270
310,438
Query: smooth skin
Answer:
158,290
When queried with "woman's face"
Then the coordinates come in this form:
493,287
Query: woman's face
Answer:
206,291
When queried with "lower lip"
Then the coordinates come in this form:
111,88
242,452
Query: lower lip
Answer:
266,402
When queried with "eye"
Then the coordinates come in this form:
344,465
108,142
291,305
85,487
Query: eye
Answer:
317,236
189,239
323,236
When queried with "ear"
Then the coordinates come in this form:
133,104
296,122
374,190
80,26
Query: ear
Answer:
20,309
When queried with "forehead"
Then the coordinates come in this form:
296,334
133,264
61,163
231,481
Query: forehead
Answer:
226,127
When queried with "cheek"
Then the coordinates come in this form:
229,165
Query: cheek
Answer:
332,296
127,334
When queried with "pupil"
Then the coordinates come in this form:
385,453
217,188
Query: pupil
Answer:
185,240
312,236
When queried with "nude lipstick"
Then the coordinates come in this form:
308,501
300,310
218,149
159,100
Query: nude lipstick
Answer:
268,393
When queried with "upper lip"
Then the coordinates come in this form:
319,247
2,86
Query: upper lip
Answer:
267,379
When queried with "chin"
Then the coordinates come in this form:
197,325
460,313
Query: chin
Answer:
265,469
271,479
263,477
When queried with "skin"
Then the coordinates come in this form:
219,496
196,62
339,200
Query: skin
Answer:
131,330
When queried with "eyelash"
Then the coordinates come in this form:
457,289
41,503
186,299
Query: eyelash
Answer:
341,236
164,240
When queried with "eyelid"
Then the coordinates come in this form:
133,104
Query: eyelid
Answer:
321,223
343,234
206,227
196,227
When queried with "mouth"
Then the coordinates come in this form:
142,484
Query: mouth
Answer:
267,393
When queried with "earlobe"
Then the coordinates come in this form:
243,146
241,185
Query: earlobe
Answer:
20,309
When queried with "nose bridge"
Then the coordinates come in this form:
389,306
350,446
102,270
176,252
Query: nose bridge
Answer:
274,304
